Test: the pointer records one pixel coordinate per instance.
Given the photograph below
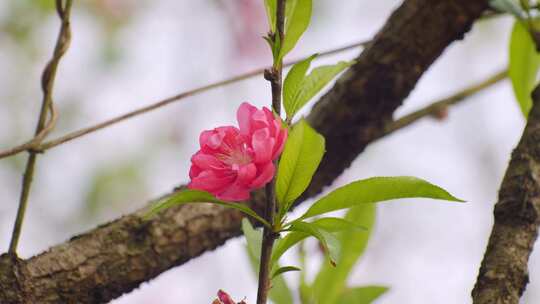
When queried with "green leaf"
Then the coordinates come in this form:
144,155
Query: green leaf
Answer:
284,244
377,189
196,196
523,67
280,292
331,281
507,6
293,83
313,84
301,157
298,15
525,4
284,269
329,224
362,295
271,8
253,239
328,241
290,6
336,224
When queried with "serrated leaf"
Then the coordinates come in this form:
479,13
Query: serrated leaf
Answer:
271,8
377,189
315,82
362,295
296,23
507,6
328,241
301,156
523,67
280,293
331,281
196,196
293,83
284,269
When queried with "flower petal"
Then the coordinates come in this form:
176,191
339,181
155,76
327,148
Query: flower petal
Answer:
247,173
224,297
194,171
208,181
280,143
207,161
243,115
234,193
265,175
263,145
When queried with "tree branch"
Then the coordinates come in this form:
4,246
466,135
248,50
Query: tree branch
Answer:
115,258
442,105
504,274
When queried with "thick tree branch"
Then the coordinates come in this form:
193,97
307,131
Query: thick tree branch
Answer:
115,258
504,273
355,111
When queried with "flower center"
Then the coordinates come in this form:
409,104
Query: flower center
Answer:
237,157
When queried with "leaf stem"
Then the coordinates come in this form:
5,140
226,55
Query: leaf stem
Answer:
44,125
274,75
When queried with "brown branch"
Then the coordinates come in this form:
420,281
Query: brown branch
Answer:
503,274
116,257
363,100
36,144
47,109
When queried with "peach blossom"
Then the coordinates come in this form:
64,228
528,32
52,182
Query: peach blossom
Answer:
232,162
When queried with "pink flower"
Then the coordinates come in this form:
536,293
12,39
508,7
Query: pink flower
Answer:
224,298
234,161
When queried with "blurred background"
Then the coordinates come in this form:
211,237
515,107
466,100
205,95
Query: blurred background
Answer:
127,54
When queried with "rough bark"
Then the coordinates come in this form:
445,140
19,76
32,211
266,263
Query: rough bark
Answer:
504,274
116,257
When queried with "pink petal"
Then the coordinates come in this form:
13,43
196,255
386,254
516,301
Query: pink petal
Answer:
204,137
208,181
258,121
262,145
265,175
214,141
247,173
206,161
273,122
280,143
224,297
243,115
194,171
234,193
